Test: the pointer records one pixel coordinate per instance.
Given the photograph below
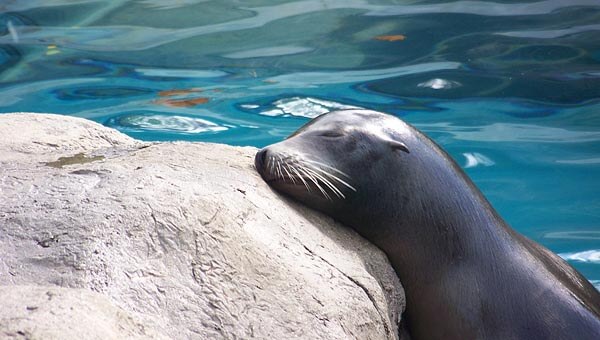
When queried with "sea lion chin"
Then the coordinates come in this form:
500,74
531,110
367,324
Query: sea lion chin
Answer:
467,274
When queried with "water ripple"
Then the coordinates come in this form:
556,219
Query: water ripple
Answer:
551,34
476,159
590,256
268,52
131,38
180,73
14,94
165,123
510,132
440,84
574,235
100,92
308,79
298,106
484,8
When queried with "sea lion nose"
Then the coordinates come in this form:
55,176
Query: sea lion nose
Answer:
260,158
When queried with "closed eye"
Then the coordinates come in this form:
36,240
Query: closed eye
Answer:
331,134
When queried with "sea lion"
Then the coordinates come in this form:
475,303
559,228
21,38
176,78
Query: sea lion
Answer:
467,274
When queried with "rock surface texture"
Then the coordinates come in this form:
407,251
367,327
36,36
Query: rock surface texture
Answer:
106,237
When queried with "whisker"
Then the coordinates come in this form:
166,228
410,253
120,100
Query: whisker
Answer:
327,166
289,175
270,164
325,181
312,178
278,167
324,177
284,166
279,173
299,176
332,176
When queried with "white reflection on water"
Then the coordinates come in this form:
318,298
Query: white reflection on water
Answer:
509,132
574,235
550,34
175,73
440,84
595,160
310,79
169,4
475,159
304,107
590,256
158,122
12,31
268,52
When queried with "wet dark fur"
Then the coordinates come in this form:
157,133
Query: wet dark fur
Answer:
466,273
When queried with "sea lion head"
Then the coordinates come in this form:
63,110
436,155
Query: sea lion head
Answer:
338,162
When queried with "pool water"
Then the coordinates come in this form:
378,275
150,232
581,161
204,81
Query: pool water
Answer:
510,88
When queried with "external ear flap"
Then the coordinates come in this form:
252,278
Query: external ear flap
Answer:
398,146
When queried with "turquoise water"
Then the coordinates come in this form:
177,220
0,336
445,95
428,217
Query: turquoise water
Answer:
510,88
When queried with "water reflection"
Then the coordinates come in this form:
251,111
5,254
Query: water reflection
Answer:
508,132
439,84
476,159
166,123
574,235
486,8
15,94
180,73
308,79
551,34
100,92
296,106
268,52
592,256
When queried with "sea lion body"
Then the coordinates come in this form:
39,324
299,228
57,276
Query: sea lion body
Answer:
466,273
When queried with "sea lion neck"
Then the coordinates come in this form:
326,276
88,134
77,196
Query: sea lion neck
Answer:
434,237
436,206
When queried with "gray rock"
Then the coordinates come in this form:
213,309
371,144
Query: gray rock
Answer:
38,312
170,240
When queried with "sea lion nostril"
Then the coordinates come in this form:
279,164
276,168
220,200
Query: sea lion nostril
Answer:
260,159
